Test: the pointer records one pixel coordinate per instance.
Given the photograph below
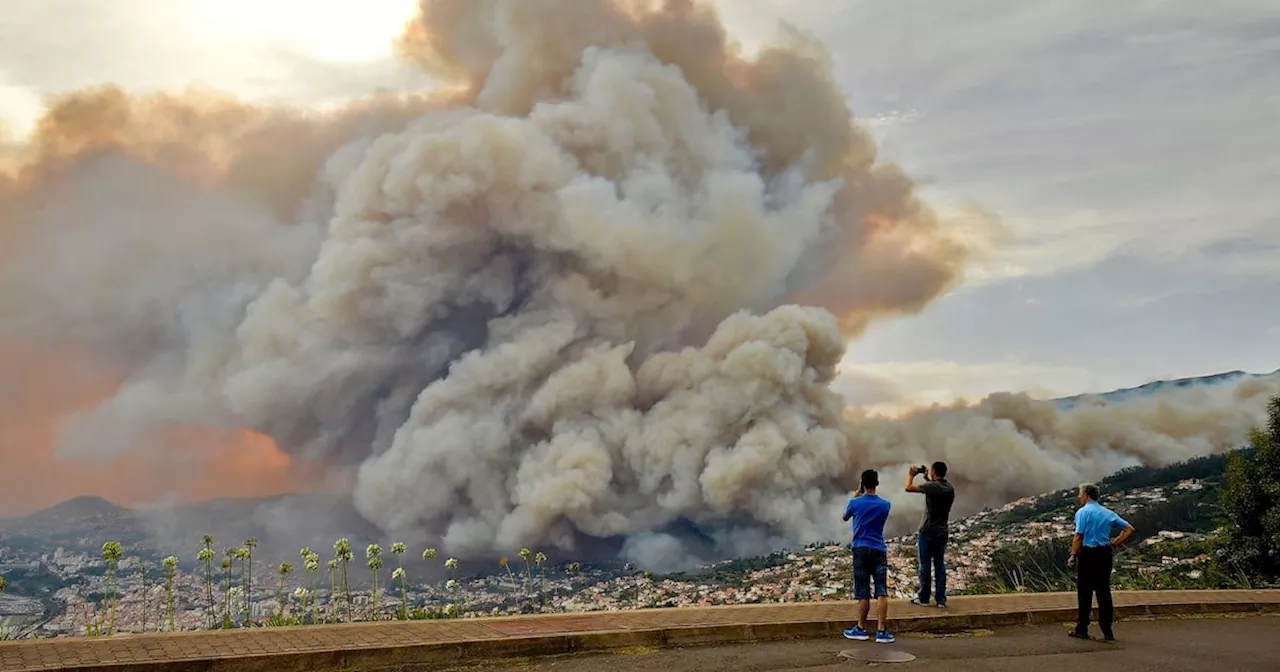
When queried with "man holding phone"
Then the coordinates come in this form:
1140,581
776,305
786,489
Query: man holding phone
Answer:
870,557
931,541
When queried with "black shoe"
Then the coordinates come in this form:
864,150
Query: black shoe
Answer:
1108,637
1078,635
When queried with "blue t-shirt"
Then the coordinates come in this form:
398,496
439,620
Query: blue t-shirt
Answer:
1096,522
869,512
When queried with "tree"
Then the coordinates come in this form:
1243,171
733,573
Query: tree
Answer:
112,552
1250,502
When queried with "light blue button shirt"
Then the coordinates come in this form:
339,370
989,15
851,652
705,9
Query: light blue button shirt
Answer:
1096,522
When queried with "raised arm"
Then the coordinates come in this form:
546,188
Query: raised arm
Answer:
848,509
911,480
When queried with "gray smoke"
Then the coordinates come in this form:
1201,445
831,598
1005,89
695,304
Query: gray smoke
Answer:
553,305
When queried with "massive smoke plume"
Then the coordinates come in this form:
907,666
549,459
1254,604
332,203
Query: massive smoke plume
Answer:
554,303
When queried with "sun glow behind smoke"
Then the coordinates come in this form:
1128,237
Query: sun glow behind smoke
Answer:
45,387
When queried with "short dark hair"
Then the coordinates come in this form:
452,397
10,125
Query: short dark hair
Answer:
870,479
940,468
1090,490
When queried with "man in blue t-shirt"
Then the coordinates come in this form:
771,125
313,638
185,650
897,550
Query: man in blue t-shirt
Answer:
870,557
1091,556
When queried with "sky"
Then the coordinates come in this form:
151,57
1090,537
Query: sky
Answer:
1131,151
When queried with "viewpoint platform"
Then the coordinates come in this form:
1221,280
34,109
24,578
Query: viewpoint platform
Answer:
422,645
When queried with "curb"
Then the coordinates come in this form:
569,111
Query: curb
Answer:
421,658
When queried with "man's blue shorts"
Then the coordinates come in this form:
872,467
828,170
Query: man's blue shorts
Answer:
869,564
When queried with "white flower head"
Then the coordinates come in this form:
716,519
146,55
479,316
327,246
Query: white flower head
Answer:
429,554
451,563
398,548
451,584
398,574
301,593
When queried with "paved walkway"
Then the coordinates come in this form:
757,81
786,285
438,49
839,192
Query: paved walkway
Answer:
369,645
1194,645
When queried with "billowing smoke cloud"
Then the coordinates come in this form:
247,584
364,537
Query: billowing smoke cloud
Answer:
555,304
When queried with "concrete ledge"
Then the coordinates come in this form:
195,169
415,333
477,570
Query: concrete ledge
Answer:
419,646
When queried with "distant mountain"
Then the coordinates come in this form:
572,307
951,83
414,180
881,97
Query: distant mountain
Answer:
1158,386
80,508
282,524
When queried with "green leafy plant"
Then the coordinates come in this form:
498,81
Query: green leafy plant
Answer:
171,574
1250,502
284,571
398,549
310,562
247,557
342,553
112,552
374,555
206,556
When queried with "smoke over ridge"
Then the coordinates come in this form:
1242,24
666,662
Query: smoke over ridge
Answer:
555,301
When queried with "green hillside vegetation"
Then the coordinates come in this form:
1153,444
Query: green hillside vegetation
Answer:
1230,526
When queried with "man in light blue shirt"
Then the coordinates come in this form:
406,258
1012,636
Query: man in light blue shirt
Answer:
1091,556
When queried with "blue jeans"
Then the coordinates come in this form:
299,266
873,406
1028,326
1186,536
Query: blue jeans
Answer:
932,547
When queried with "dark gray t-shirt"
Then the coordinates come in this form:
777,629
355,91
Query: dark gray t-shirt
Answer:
938,498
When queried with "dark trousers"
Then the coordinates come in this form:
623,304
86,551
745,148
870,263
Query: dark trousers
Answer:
931,547
1093,576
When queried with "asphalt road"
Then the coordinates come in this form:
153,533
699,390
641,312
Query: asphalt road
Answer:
1209,644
